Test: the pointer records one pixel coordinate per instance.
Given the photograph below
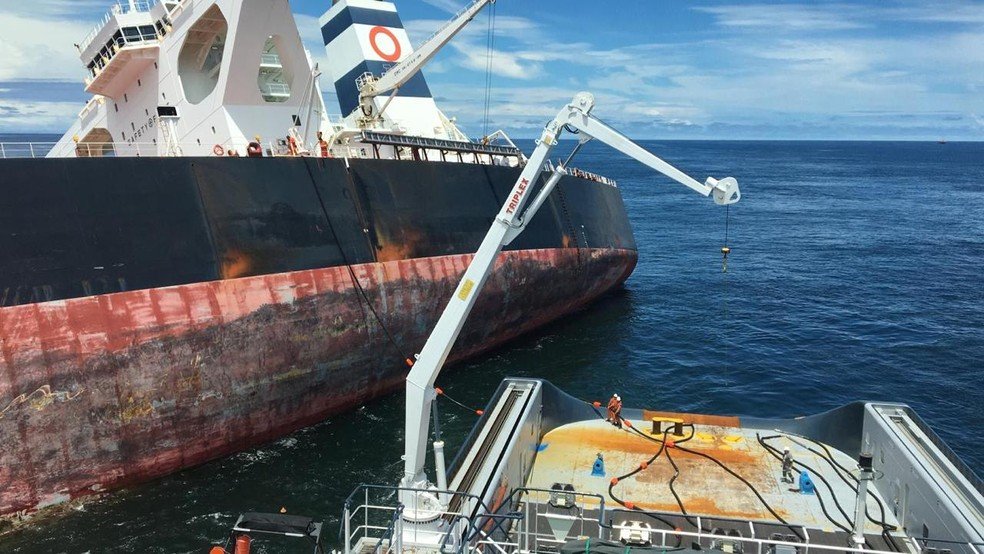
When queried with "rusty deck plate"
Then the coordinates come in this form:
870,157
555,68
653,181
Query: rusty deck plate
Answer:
569,452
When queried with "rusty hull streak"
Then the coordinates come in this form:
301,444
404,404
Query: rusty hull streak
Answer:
136,385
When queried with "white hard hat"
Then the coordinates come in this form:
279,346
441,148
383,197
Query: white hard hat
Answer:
617,397
785,449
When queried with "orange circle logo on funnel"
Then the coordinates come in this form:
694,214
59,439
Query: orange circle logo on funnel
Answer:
374,42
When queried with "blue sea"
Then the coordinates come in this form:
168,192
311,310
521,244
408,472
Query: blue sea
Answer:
855,273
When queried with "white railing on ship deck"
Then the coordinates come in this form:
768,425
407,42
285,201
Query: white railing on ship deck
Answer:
145,39
25,149
121,7
274,89
9,150
371,519
270,60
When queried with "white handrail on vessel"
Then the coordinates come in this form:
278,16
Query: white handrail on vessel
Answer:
119,8
36,149
270,59
363,526
142,39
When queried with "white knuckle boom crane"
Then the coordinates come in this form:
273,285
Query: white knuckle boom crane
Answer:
511,220
395,77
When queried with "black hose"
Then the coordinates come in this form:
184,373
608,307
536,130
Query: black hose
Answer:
701,454
823,508
837,467
834,463
611,486
683,510
747,484
650,514
727,469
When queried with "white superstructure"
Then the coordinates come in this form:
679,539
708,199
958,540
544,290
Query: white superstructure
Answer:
209,77
193,77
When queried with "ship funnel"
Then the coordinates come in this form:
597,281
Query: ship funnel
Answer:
366,36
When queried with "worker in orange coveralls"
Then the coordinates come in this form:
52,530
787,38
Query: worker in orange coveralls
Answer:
615,411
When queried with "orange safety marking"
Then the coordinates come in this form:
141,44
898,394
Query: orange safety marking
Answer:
374,33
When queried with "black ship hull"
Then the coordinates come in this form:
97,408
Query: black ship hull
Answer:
156,313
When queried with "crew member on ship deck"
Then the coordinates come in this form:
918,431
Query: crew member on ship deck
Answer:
615,411
254,149
322,145
787,466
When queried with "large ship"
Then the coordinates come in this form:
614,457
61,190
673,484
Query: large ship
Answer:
206,260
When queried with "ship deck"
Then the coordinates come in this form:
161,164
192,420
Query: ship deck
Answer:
568,454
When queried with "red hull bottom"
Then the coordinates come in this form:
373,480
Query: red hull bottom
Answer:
101,392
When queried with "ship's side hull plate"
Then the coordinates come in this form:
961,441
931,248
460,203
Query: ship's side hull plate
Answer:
117,389
160,313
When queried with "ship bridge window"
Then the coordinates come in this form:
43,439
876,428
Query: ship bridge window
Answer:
135,34
200,60
273,80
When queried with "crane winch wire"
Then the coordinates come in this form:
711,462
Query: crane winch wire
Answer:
725,250
489,55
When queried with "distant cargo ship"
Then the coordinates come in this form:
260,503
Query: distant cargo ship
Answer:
176,286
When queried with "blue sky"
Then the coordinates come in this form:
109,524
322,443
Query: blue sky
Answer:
659,69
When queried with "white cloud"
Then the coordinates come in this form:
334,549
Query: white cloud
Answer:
20,115
32,47
61,9
785,18
504,64
794,17
450,6
938,12
759,66
310,32
470,50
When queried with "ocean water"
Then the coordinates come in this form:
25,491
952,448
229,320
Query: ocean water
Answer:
855,273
